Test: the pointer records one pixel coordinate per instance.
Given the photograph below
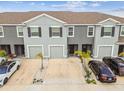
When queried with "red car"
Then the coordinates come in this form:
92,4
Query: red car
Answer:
102,72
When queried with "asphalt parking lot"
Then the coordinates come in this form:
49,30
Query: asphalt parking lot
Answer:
58,74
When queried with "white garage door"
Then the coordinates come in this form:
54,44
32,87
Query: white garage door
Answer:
56,51
34,50
104,51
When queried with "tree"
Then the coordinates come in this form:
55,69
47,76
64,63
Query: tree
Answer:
87,56
39,55
121,54
3,53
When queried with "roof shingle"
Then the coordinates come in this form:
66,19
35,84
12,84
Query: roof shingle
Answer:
66,16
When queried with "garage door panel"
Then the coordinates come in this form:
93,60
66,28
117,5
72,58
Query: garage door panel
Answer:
56,51
104,51
34,50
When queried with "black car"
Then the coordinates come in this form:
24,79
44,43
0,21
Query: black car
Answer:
102,71
116,64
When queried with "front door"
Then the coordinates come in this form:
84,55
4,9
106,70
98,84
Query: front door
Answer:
19,50
72,48
121,49
86,47
6,48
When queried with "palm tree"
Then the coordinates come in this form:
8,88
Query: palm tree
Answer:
85,56
39,55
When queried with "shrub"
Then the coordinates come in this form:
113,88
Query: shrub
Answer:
121,54
3,53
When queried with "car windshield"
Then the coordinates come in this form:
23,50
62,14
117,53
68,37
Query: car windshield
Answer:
120,62
106,70
3,69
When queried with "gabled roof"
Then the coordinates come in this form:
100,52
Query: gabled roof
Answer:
65,16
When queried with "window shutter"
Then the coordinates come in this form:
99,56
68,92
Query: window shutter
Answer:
60,31
39,31
102,31
50,32
29,32
113,31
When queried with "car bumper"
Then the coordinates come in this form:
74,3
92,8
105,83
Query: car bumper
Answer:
1,83
108,81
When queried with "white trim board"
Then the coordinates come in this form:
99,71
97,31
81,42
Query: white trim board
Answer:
88,31
44,15
56,46
18,32
34,46
108,20
98,46
73,31
121,31
2,31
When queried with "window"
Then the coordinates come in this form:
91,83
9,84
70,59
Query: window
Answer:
1,32
55,31
70,31
19,31
34,32
107,31
122,31
90,32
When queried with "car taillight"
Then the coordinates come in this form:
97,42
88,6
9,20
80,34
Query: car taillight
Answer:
103,77
114,78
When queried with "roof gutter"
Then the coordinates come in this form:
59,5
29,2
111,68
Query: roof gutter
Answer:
81,24
12,24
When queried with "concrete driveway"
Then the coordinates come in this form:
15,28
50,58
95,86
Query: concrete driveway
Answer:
63,71
24,76
58,74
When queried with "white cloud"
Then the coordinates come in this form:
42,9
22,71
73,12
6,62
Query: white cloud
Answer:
71,5
95,4
18,2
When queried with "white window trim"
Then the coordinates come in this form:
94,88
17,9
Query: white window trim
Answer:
34,27
49,46
88,31
111,33
121,31
28,55
18,32
55,27
98,47
73,31
2,32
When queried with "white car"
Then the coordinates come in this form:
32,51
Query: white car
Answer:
2,60
7,69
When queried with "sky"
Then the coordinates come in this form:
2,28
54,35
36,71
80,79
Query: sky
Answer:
111,7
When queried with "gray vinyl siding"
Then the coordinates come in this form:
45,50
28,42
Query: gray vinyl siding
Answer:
10,37
45,22
80,37
102,41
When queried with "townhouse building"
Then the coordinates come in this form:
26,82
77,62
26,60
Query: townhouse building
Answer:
57,34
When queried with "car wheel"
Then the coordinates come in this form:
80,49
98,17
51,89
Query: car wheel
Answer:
18,67
5,80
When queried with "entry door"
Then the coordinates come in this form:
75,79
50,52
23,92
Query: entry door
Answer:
19,50
121,49
6,48
72,48
86,47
